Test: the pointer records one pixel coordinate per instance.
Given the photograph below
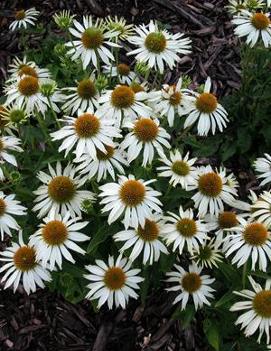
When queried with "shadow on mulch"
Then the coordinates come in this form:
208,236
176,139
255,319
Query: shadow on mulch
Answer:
44,321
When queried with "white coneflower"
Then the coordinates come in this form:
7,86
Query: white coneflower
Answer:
256,4
63,19
262,165
207,255
13,116
120,26
105,164
4,121
91,42
257,305
150,97
113,283
235,7
157,47
146,136
212,191
22,265
205,109
86,134
191,283
246,206
222,224
138,87
179,169
122,71
251,240
27,91
7,144
19,68
52,94
183,231
24,18
9,207
253,25
261,209
60,192
173,101
132,197
56,237
84,96
144,240
123,102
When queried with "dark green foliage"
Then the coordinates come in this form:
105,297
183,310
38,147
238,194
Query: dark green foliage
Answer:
248,134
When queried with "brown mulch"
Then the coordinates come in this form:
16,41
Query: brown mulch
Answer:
45,321
215,52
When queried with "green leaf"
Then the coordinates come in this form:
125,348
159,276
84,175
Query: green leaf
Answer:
262,275
144,288
166,262
224,299
212,333
230,272
99,237
192,141
185,316
69,282
244,139
25,193
228,150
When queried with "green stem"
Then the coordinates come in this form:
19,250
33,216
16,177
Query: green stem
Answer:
116,54
23,39
71,40
110,75
168,190
98,63
44,129
20,131
5,172
186,130
53,112
154,79
26,140
147,75
73,46
244,275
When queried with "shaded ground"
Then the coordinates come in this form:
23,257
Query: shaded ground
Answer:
214,47
44,321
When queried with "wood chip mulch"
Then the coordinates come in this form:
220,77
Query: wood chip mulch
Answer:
215,48
45,321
